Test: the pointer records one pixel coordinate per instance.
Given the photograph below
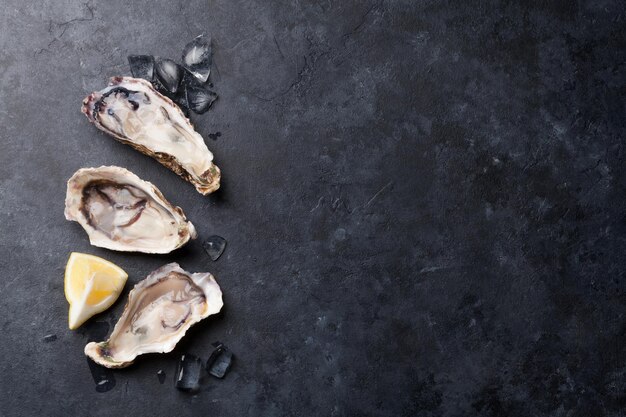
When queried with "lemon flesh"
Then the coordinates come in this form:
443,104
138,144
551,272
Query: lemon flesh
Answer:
92,285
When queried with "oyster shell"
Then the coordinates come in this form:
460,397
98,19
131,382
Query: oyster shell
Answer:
134,113
159,311
120,211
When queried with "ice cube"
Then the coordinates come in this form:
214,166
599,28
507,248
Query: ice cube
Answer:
142,66
188,373
214,246
220,360
200,98
161,376
197,57
169,73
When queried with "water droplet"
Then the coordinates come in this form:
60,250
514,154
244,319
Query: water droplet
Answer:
340,234
161,375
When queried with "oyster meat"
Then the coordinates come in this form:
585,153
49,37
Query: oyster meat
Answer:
120,211
134,113
159,311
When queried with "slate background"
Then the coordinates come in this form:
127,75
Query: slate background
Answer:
423,201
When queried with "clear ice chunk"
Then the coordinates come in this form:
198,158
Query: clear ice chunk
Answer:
220,360
188,373
169,74
200,98
214,246
141,66
197,97
197,57
161,375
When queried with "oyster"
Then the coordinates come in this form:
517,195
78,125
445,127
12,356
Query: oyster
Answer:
159,311
134,113
120,211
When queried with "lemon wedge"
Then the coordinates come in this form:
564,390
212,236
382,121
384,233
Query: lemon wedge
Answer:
92,285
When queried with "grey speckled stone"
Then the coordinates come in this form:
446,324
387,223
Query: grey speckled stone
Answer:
424,205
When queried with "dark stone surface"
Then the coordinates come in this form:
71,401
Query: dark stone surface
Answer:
423,202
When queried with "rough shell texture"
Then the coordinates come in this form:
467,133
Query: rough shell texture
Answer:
133,112
159,311
120,211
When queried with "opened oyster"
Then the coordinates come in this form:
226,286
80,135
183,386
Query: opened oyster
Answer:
134,113
120,211
159,311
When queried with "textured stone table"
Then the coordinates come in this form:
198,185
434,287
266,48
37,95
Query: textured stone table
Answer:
423,202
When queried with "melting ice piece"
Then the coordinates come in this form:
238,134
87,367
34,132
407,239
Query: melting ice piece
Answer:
197,97
197,57
214,246
180,98
169,73
161,376
141,66
200,99
220,360
188,373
